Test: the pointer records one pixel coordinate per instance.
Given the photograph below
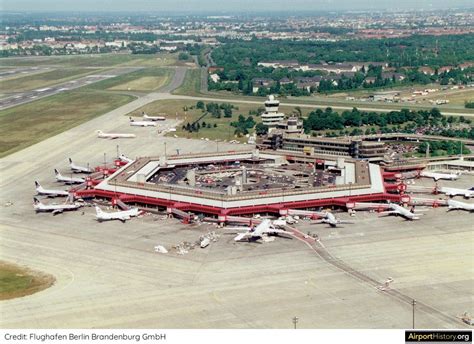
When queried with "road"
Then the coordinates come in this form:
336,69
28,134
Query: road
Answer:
7,73
29,96
178,78
311,106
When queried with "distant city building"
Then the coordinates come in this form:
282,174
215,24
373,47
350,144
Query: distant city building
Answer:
214,77
426,70
258,83
385,96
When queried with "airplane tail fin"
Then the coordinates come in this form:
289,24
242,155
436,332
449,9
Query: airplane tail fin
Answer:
36,201
70,161
37,184
56,172
98,211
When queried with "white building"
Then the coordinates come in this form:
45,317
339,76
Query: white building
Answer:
214,77
271,117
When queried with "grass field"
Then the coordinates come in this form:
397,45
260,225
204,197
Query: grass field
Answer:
30,123
145,83
224,130
17,282
30,82
146,79
94,60
455,97
192,83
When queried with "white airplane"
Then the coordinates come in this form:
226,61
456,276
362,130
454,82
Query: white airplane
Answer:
265,227
437,176
451,192
112,136
123,215
390,209
125,159
456,205
68,180
79,169
54,208
153,118
398,210
50,193
331,220
134,123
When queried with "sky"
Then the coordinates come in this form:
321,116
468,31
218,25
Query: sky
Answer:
227,5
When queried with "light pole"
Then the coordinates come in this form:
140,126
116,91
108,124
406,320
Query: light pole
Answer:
413,303
295,321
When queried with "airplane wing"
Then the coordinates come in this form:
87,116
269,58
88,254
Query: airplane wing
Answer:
345,222
247,229
241,236
364,205
318,222
389,212
280,231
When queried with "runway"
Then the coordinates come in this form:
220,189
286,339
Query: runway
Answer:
9,72
29,96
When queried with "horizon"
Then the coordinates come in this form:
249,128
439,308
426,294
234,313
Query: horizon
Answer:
231,7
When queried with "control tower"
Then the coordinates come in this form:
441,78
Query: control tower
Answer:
271,117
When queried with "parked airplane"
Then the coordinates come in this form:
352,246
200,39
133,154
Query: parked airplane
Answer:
134,123
456,205
389,209
79,169
437,176
123,215
265,227
54,208
398,210
50,193
102,135
68,180
124,158
331,220
451,192
153,118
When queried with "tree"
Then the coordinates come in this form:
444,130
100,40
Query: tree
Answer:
261,129
227,112
183,56
298,111
200,105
